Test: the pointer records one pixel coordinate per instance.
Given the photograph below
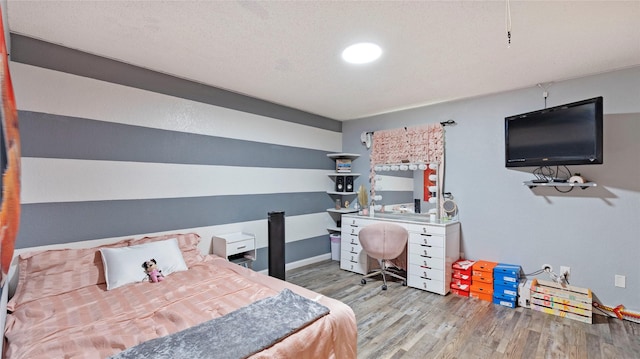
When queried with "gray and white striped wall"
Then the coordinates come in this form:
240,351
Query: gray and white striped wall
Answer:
112,150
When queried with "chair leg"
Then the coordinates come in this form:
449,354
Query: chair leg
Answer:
384,272
396,275
369,275
372,274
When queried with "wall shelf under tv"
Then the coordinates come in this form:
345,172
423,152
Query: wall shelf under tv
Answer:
585,185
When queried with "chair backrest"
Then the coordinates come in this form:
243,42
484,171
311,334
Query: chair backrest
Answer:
383,240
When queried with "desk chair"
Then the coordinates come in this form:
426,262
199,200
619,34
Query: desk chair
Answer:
383,241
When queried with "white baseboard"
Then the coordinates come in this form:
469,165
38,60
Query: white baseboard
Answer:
302,263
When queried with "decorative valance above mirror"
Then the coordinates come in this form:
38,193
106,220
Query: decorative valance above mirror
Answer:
421,144
408,148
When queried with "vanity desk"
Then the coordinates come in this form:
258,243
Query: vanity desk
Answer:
431,249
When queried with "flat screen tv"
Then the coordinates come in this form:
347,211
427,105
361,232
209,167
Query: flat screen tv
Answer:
569,134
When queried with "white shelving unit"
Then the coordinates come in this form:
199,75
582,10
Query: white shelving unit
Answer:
336,214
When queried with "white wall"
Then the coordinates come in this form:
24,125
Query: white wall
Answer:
595,231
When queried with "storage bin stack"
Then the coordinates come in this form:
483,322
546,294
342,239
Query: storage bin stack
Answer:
506,278
482,280
461,277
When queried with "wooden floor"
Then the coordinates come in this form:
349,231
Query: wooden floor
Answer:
404,322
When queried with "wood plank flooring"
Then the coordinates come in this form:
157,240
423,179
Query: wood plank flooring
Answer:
404,322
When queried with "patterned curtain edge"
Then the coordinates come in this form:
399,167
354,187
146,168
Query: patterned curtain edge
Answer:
10,207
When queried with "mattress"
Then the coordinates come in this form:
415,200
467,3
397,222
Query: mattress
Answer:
92,322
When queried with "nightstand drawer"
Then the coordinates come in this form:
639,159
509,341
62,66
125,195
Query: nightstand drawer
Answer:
240,246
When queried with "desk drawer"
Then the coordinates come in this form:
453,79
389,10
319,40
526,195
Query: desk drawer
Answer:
426,250
351,245
354,262
356,222
430,285
425,273
426,239
433,263
359,257
426,229
348,237
240,246
350,230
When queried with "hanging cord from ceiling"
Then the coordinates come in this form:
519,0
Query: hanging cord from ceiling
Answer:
545,91
508,22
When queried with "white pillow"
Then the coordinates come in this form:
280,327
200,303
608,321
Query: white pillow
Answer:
123,265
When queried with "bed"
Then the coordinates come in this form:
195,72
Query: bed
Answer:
74,303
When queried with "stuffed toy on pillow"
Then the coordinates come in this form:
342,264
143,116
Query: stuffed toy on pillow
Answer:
151,268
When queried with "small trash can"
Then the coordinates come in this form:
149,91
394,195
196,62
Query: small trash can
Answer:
335,246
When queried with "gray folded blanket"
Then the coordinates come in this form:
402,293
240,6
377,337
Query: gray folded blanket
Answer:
238,334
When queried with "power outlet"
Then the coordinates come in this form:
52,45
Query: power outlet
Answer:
620,281
565,271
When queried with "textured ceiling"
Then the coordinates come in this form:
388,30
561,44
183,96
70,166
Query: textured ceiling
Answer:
288,52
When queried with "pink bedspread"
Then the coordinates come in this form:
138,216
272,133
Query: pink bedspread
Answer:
94,323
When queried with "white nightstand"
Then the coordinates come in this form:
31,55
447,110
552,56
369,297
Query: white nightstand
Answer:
239,248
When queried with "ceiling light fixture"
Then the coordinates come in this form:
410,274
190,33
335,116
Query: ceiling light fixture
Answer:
361,53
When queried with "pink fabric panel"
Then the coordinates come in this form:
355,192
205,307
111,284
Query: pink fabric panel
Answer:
91,322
